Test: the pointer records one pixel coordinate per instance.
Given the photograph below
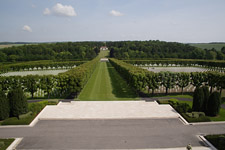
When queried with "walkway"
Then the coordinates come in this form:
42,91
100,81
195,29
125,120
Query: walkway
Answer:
109,134
108,110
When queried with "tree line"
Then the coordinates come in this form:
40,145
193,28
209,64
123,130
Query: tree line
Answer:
60,85
160,49
139,78
39,65
51,51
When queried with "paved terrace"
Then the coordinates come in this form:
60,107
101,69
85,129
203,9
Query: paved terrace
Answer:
103,129
108,110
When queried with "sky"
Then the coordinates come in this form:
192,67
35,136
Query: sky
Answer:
186,21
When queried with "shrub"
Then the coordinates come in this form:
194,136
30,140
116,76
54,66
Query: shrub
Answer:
182,107
195,114
206,98
18,102
26,115
37,107
191,119
52,103
15,121
4,106
214,104
198,99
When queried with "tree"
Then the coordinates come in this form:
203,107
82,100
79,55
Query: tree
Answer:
3,57
220,56
197,78
221,83
31,83
152,81
47,83
214,104
198,99
4,106
211,55
168,80
18,103
13,58
206,98
213,79
223,50
183,80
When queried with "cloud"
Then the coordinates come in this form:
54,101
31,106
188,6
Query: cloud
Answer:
27,28
60,10
115,13
46,11
33,6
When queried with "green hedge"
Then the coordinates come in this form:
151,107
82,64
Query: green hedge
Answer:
141,78
134,76
60,85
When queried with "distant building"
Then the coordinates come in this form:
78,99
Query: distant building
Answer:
103,48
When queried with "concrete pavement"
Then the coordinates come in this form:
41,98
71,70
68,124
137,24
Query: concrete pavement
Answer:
105,134
108,110
110,125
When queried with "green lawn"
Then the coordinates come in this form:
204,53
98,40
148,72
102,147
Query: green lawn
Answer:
106,84
179,96
4,143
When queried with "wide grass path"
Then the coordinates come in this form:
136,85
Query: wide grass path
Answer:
106,84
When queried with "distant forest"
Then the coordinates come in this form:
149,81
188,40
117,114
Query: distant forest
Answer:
51,51
120,50
160,49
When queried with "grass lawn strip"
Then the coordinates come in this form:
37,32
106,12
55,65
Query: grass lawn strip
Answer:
101,86
6,144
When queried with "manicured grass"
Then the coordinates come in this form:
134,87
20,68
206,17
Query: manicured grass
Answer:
220,117
103,54
180,96
6,142
106,84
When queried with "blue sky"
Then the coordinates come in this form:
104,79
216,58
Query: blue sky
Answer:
103,20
